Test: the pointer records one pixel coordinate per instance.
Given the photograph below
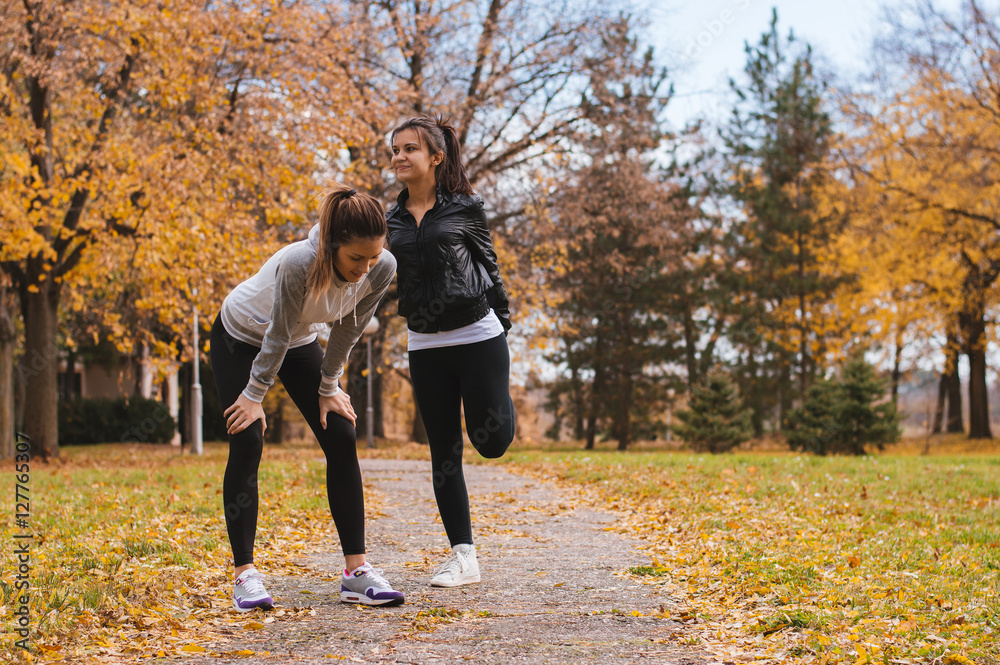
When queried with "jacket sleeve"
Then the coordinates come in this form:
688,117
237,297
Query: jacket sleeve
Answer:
477,232
346,332
289,296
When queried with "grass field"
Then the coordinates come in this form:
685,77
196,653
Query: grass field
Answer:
131,558
884,559
881,559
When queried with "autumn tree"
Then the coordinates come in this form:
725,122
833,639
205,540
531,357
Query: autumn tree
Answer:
508,73
149,150
777,142
926,150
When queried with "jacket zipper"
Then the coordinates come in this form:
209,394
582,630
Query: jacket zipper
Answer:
425,277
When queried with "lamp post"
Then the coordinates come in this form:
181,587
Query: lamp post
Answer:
670,408
196,402
370,331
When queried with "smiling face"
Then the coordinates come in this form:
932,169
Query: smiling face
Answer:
412,160
354,259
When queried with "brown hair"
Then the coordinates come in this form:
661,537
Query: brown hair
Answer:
440,136
344,215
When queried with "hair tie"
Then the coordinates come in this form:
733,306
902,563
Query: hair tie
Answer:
351,192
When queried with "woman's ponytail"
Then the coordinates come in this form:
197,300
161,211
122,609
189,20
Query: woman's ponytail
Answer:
451,172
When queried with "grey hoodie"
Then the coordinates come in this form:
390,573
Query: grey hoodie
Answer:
272,310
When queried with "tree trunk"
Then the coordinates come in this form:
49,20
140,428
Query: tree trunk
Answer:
173,403
896,374
955,420
979,407
939,410
625,383
624,404
8,338
596,394
578,405
755,398
378,413
418,433
39,368
953,423
690,348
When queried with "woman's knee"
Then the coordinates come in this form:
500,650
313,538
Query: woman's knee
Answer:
494,433
492,444
338,436
249,443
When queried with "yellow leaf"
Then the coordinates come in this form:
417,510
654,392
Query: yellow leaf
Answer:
253,625
957,659
244,652
193,648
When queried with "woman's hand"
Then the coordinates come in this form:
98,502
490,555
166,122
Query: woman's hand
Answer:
340,404
242,414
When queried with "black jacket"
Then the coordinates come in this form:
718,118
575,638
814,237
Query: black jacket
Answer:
447,268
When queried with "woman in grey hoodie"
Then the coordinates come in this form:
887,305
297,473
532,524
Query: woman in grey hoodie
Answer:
268,327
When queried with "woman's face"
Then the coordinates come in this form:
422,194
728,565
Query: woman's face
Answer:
411,157
354,259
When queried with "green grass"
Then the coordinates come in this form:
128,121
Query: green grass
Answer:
809,554
823,552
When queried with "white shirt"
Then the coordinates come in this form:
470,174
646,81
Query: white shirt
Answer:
485,328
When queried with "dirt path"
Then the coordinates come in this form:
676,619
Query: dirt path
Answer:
550,592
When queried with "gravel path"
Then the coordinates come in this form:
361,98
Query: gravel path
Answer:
551,589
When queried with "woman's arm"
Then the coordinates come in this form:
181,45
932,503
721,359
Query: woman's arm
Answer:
289,296
346,333
477,231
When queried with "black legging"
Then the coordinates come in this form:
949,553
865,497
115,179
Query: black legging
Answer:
445,379
300,374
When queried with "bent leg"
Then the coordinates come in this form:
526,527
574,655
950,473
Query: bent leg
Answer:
489,410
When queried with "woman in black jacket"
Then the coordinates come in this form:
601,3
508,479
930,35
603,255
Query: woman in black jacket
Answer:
457,316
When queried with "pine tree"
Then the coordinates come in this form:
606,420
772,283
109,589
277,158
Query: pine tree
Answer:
844,416
613,222
715,420
777,143
814,426
865,421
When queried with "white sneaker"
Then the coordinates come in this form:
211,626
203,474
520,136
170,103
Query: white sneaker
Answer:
459,568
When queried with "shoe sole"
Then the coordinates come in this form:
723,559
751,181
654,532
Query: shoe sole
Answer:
264,606
452,585
350,597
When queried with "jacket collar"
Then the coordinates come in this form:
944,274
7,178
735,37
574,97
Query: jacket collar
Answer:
442,197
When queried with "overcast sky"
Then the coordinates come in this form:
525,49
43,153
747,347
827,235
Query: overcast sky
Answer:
703,41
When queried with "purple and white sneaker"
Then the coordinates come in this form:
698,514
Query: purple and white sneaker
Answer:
367,586
249,592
